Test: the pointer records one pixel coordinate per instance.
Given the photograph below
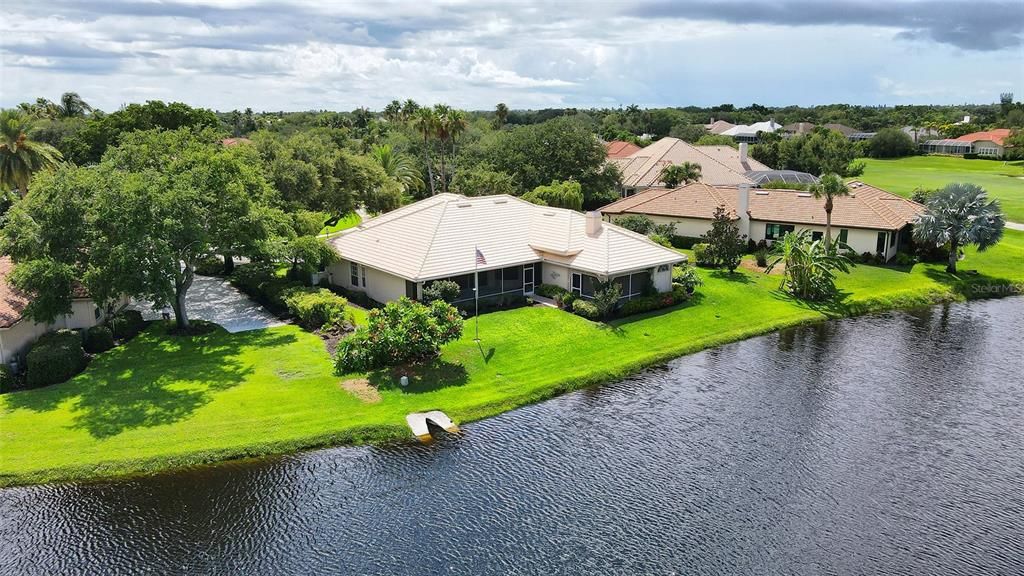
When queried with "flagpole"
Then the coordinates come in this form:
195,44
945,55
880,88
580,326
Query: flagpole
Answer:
476,290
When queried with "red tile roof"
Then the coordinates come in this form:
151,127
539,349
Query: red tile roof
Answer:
234,141
997,136
619,148
12,300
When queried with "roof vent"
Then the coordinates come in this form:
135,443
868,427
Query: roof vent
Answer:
463,204
761,192
804,195
500,201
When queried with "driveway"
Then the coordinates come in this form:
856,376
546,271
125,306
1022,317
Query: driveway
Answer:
215,300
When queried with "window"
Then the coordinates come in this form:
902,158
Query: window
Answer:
96,313
577,283
817,235
892,240
880,243
583,284
843,235
353,269
362,269
410,290
775,231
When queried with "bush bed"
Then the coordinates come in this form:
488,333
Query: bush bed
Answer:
55,358
97,339
126,324
316,308
401,331
210,266
261,283
8,381
585,308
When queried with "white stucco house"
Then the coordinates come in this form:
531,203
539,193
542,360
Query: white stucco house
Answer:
501,243
868,220
17,333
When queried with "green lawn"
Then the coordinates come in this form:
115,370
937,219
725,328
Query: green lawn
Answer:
159,401
344,223
1003,180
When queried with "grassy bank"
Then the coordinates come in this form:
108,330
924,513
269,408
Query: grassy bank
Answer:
162,402
1003,180
347,221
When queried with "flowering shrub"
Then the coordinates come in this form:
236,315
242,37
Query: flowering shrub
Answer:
401,331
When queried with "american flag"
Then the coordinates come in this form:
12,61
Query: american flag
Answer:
480,260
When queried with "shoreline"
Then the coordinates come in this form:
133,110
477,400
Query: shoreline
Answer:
383,434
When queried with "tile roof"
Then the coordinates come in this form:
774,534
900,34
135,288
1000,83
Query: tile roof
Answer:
866,207
12,300
999,135
235,141
619,148
752,129
719,165
842,128
438,237
718,126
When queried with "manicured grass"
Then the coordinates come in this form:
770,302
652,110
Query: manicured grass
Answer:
162,401
1003,180
344,223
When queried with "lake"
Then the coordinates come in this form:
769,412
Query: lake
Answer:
890,443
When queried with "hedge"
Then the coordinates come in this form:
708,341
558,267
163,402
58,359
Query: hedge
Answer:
261,283
126,324
316,308
8,381
97,339
55,358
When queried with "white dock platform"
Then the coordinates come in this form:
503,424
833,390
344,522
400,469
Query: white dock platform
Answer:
417,422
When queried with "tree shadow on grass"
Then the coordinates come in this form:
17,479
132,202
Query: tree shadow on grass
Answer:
424,376
152,381
737,277
615,326
973,284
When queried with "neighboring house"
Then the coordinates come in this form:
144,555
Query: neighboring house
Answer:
800,128
718,126
868,220
749,132
18,332
919,133
619,148
507,244
719,165
990,143
843,129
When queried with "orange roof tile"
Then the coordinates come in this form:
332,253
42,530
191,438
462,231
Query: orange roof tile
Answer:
619,148
998,136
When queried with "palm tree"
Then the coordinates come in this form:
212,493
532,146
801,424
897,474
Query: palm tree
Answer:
456,124
393,111
675,174
398,166
424,121
500,115
72,106
960,214
829,187
21,157
810,265
409,108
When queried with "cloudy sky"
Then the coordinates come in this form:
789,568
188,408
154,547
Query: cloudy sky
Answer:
297,55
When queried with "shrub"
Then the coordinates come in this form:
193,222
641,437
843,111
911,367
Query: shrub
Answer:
316,308
687,277
762,257
606,298
585,308
98,339
891,143
566,300
725,244
445,290
401,331
210,266
550,291
8,381
654,302
867,258
54,358
126,324
637,223
661,239
702,254
685,242
904,259
261,283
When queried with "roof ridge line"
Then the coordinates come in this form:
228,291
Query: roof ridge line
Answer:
433,236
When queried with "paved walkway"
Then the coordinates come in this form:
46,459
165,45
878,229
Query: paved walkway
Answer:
214,299
1015,226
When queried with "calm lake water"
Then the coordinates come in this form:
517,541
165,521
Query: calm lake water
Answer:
885,444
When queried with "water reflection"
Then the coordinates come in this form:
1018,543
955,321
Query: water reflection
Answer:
886,444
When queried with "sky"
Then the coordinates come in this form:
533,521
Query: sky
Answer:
340,55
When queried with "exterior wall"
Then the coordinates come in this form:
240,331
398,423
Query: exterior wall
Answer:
694,227
860,240
15,341
662,280
380,285
556,274
988,148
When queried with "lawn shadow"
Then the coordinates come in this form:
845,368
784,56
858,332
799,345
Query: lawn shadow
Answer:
731,276
155,380
424,376
973,284
485,355
836,307
615,325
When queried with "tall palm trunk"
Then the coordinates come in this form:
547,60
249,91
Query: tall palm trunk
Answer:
444,177
426,160
828,220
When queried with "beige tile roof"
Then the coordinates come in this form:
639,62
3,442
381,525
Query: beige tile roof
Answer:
866,207
643,168
718,126
438,237
731,158
619,148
